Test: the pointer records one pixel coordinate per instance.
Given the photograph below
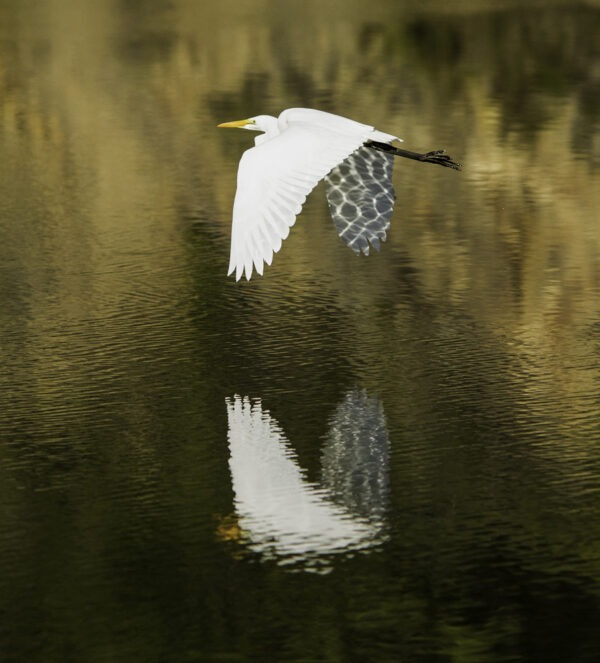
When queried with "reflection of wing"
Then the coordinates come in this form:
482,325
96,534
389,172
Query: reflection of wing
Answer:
356,456
279,511
361,198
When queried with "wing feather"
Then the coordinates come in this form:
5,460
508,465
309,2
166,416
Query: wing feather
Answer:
274,179
361,198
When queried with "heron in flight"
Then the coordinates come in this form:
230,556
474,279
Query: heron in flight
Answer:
296,151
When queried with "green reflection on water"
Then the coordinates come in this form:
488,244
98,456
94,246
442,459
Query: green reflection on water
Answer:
476,326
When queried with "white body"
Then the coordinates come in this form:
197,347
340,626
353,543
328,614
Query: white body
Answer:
296,151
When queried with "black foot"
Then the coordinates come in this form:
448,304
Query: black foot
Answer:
442,159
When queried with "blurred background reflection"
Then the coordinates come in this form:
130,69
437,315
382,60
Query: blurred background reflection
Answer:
477,325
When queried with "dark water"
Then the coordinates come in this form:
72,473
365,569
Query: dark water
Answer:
392,458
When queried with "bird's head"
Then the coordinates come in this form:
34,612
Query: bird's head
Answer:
258,123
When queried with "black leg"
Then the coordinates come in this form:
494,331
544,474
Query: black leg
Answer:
436,156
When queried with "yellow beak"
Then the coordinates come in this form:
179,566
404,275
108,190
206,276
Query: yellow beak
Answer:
237,123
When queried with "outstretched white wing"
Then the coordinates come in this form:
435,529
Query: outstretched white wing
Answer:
274,179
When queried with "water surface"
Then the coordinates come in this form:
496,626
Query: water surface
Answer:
427,418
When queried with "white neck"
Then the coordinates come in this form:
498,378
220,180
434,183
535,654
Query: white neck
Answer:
268,124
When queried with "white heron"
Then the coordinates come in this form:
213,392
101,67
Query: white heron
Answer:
296,151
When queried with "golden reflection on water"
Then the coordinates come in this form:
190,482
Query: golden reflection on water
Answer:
476,325
110,112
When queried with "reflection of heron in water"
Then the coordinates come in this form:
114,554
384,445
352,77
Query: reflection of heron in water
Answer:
296,151
279,512
356,455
